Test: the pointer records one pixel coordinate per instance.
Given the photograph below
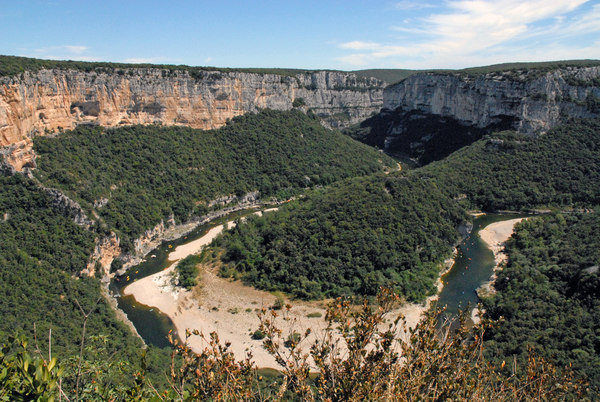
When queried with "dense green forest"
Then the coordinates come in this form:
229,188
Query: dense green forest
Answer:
397,229
148,173
40,252
351,239
548,294
560,169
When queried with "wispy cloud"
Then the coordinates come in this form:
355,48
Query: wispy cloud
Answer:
62,52
150,60
412,5
481,30
76,49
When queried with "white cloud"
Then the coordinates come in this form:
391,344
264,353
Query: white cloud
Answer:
412,5
483,32
66,49
150,60
357,45
76,49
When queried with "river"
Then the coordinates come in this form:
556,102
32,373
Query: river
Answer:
472,267
151,324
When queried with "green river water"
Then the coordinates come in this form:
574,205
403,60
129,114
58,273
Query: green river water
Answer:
473,266
152,325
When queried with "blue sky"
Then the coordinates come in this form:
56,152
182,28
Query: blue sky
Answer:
342,35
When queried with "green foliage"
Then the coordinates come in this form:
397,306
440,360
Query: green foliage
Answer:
11,66
353,238
187,269
150,172
509,171
578,82
40,252
299,102
25,376
258,335
548,294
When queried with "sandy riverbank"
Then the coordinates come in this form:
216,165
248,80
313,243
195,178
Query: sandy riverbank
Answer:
495,236
230,308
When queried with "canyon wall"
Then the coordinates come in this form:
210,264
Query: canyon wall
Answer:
48,101
535,104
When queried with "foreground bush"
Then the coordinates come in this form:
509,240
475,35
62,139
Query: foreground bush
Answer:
359,356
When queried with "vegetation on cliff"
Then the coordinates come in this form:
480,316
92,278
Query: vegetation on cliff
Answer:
11,66
148,173
560,169
40,252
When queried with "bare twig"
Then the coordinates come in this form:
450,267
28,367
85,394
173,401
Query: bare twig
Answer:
86,316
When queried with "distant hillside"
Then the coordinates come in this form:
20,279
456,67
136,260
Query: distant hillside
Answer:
393,76
11,66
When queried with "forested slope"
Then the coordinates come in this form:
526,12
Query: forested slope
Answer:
507,171
147,173
361,234
40,251
353,238
548,294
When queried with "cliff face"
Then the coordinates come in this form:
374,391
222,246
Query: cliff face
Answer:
535,105
51,100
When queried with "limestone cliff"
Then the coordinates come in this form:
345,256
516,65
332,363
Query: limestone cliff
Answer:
535,104
52,100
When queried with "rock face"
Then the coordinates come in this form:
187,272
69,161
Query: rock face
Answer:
52,100
536,105
106,250
68,207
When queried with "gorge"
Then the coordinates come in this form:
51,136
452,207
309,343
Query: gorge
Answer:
125,171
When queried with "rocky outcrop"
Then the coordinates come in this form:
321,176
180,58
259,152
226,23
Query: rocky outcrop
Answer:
106,250
19,155
536,105
53,100
68,207
248,198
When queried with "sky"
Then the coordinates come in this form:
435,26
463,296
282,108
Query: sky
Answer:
339,35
